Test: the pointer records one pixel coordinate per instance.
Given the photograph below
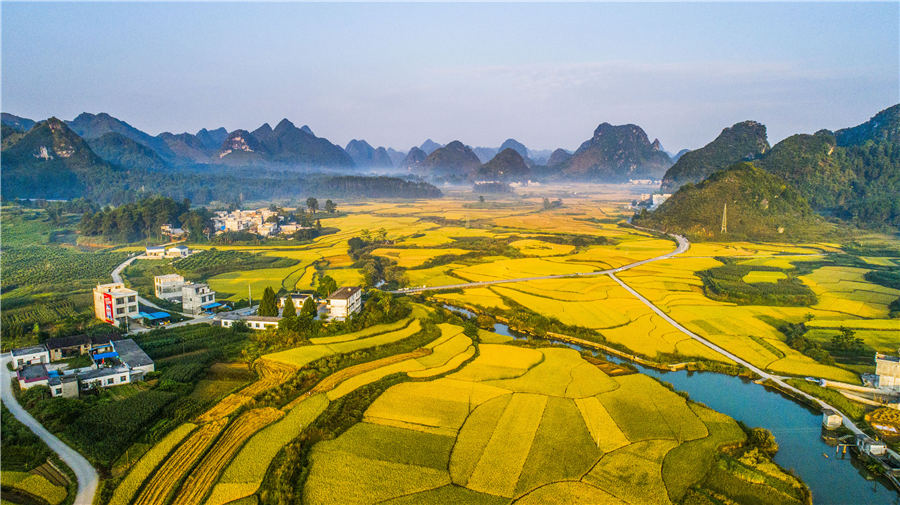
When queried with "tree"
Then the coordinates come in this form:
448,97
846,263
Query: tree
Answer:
289,310
327,285
268,306
330,207
313,204
763,440
309,308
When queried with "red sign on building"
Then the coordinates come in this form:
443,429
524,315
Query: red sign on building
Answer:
108,307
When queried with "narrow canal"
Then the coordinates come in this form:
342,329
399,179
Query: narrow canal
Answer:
834,479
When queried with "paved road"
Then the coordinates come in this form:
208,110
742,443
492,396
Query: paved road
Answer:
84,472
683,246
117,277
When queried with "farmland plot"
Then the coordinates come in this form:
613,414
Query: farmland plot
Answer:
472,437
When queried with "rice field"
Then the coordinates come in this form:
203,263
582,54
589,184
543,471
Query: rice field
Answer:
763,276
476,437
299,356
507,428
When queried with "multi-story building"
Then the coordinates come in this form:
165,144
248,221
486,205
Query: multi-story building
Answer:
344,302
267,229
252,322
168,287
114,303
887,372
196,298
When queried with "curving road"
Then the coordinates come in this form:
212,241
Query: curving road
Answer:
683,245
84,472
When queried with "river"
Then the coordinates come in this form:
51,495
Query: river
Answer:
833,480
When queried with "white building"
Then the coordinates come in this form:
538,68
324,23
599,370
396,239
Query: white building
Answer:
870,446
105,377
33,355
178,251
168,287
267,229
114,302
197,298
253,322
831,419
887,372
298,299
344,302
155,251
170,231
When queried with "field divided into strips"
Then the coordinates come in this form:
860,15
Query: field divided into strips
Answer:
300,356
672,286
845,291
496,431
201,479
270,373
148,462
531,247
35,485
599,303
163,481
410,258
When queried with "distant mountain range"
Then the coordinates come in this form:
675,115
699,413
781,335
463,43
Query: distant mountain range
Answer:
851,174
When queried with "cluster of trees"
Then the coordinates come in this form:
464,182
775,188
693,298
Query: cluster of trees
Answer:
725,283
376,270
143,219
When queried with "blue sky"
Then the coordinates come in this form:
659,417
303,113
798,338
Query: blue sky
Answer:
394,74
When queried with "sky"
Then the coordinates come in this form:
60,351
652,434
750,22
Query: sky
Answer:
396,74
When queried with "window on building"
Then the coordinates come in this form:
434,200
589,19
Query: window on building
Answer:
123,378
132,299
59,391
21,361
110,381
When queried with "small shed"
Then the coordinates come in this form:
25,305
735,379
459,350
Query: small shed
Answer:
870,446
831,419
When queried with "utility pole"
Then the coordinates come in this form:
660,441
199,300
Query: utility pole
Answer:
725,219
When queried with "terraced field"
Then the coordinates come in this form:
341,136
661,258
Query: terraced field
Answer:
525,426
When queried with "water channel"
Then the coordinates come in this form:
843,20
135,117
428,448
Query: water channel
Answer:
834,479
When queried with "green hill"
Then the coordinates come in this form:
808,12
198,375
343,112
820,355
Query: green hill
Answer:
125,152
743,141
884,126
760,206
52,161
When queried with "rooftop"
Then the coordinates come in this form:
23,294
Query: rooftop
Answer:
103,372
24,351
263,318
33,373
180,247
169,277
887,357
70,341
156,248
131,354
344,293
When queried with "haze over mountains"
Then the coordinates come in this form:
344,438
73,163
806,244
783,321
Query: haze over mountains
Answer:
851,173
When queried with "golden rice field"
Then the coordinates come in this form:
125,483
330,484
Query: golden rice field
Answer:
764,276
299,356
34,485
514,423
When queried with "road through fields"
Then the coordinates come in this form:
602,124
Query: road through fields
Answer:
84,472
